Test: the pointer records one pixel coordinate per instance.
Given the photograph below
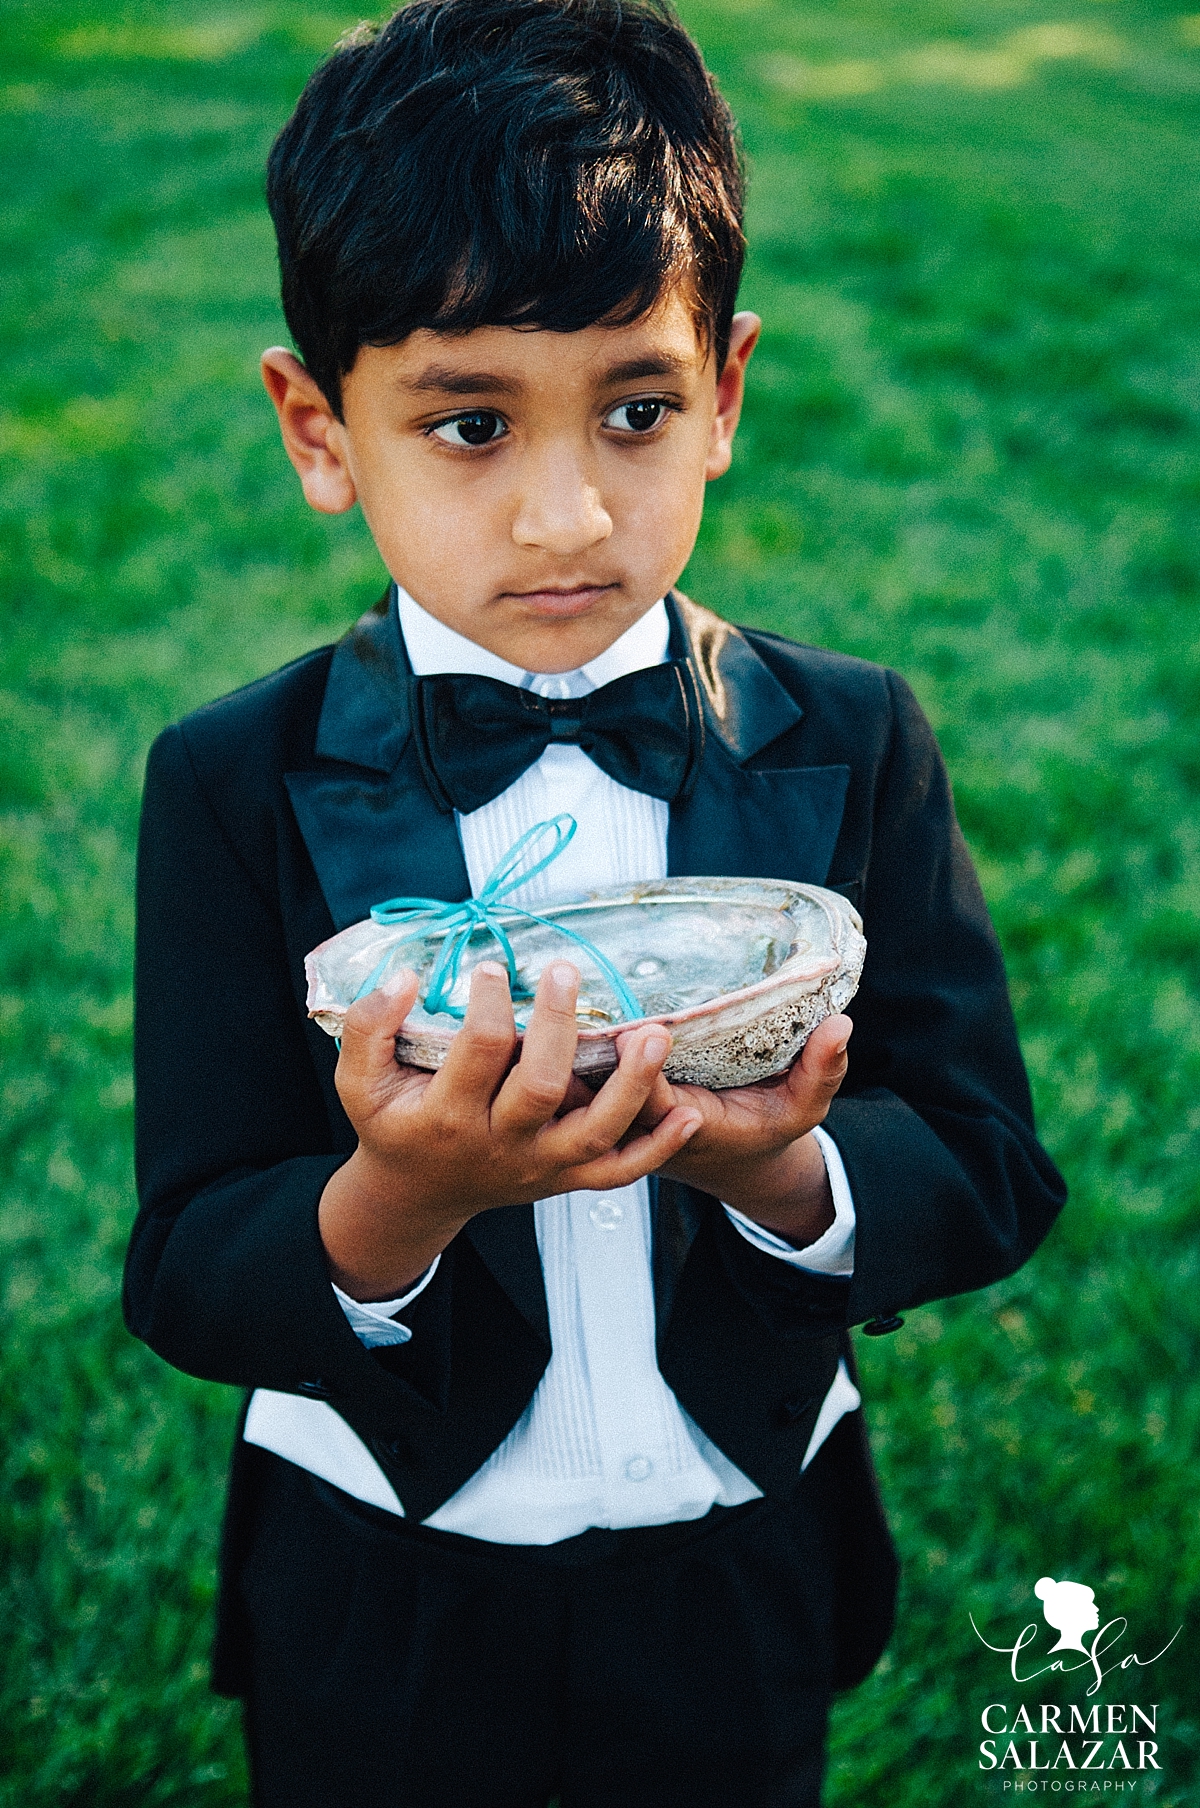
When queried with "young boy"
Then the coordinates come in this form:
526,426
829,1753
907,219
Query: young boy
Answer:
551,1482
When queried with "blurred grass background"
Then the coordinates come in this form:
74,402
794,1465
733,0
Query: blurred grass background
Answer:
972,450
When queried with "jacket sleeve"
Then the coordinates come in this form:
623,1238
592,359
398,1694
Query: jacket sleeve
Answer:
226,1276
934,1122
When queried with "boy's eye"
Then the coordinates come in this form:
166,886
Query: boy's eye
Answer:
477,429
637,417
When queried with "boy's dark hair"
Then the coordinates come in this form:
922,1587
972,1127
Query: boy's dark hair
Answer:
539,163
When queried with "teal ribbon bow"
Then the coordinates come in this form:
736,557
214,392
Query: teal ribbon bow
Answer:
462,922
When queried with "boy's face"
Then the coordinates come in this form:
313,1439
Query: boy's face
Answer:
537,491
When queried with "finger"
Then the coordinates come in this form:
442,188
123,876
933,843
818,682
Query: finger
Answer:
782,1107
537,1085
661,1098
372,1024
640,1156
585,1134
480,1054
824,1055
815,1078
578,1095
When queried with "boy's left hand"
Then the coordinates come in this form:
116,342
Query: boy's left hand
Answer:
754,1149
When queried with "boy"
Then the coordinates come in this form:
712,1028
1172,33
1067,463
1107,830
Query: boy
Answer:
552,1481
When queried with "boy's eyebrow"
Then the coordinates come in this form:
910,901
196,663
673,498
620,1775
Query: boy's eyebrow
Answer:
447,381
444,379
655,364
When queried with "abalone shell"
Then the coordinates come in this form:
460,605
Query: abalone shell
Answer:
740,971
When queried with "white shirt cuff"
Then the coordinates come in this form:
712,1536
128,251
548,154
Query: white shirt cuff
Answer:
833,1251
372,1321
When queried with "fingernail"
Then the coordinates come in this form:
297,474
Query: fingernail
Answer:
654,1048
563,977
391,988
692,1128
493,969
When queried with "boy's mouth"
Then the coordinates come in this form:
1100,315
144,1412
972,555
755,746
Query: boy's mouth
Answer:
561,601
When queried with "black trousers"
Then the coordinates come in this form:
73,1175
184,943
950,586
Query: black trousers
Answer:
681,1666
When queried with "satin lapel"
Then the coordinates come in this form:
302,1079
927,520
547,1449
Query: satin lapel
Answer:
745,705
371,828
373,831
375,836
765,825
364,718
770,824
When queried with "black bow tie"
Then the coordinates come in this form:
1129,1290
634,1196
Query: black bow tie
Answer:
475,736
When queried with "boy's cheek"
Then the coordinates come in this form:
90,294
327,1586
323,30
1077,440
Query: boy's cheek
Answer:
436,546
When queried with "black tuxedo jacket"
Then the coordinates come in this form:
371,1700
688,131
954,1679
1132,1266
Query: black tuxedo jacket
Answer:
283,812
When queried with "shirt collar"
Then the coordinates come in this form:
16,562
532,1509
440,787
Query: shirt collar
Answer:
433,647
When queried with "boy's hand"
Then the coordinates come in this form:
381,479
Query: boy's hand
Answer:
754,1149
436,1148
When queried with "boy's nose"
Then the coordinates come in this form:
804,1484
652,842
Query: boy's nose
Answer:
561,511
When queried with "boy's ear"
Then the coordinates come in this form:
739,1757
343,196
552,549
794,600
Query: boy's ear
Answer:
731,388
313,437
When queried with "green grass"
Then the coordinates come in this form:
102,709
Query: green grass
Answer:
972,450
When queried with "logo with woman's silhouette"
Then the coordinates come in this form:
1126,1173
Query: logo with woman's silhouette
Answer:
1069,1609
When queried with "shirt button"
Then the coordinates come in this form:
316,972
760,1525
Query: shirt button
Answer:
638,1469
606,1214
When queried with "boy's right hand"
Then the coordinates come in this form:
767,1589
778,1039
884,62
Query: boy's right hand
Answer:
434,1149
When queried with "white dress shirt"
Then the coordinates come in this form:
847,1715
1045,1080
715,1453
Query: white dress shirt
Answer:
603,1441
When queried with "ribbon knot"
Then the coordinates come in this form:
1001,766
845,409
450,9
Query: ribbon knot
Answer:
461,922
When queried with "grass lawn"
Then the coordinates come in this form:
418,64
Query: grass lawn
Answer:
972,450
